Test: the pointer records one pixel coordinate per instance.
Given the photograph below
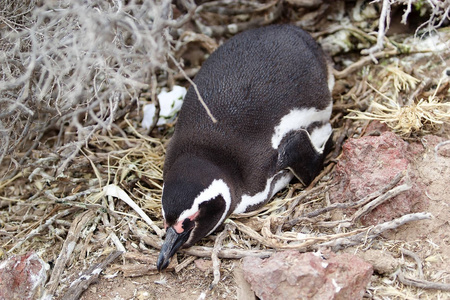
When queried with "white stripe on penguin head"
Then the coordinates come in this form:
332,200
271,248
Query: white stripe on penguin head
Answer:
216,188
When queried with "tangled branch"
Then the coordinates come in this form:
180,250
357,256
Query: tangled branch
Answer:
70,65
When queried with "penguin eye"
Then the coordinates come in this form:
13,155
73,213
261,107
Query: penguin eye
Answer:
188,224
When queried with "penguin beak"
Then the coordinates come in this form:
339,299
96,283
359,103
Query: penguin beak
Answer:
172,243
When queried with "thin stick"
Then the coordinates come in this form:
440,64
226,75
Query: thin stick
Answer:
380,228
88,277
199,251
356,204
374,231
146,238
361,63
184,264
423,284
72,197
155,99
297,243
226,253
215,255
416,258
302,196
383,26
379,200
200,98
42,227
273,11
69,245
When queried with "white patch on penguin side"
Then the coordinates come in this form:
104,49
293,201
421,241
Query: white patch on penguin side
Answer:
162,208
320,135
299,119
281,183
216,188
267,193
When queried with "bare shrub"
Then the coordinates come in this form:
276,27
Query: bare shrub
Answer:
73,63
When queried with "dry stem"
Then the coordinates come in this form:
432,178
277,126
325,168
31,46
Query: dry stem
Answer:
88,277
423,284
69,245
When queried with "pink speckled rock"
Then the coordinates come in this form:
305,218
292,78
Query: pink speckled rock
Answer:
294,275
368,164
22,277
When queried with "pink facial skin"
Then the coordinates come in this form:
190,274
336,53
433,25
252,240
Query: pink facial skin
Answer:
179,225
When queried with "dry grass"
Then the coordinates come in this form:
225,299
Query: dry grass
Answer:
414,117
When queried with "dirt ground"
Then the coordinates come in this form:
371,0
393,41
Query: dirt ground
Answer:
190,283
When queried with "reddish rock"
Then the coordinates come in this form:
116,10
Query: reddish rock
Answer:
203,265
22,277
294,275
370,163
376,128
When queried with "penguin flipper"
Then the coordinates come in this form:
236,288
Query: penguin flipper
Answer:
298,154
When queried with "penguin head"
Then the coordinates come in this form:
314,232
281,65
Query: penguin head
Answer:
195,201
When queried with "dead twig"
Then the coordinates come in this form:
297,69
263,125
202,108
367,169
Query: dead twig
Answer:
297,242
146,265
374,231
362,62
115,191
68,247
155,100
185,263
383,193
215,253
194,86
110,224
416,258
146,238
200,251
423,284
72,197
379,200
42,227
303,195
88,277
383,26
272,10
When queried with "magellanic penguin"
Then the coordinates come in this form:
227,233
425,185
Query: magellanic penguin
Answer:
269,89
